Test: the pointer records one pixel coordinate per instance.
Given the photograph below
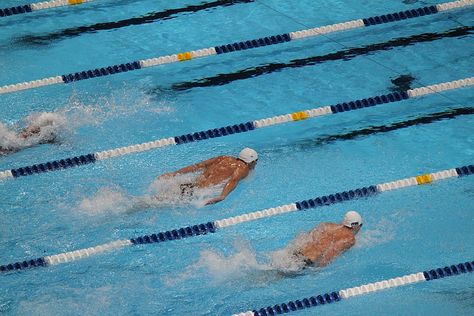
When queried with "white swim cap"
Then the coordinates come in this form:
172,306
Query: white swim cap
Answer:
248,155
352,218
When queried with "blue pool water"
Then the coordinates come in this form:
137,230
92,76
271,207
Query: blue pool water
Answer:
405,231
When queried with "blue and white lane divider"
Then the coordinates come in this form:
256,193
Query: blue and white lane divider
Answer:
212,227
237,46
232,129
39,6
333,297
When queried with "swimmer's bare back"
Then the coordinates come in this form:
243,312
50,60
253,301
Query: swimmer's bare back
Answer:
328,240
221,169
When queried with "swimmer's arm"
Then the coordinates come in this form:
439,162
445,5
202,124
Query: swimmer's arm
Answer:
229,187
335,250
191,168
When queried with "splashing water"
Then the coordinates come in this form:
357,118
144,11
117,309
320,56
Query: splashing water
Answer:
383,231
236,265
51,125
162,193
9,140
107,200
285,260
123,102
239,265
40,128
179,191
245,264
54,127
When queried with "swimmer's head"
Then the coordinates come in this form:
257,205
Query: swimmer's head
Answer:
47,119
43,126
352,220
249,156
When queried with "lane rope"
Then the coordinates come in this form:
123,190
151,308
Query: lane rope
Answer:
212,227
237,46
337,296
27,8
233,129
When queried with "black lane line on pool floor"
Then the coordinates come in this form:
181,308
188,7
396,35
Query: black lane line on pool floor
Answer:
152,17
345,55
372,130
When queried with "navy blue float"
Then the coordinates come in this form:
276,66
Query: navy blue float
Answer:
362,103
54,165
99,72
298,304
185,232
408,14
22,265
337,197
15,10
264,41
439,273
217,132
465,171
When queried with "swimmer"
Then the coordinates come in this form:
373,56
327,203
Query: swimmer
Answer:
42,129
218,170
328,240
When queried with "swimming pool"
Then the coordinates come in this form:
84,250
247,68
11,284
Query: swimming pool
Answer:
406,231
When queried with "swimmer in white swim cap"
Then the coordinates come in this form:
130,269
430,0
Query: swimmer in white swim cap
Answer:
352,220
222,169
248,155
328,240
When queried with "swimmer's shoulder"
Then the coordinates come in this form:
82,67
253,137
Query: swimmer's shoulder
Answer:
348,238
322,228
230,159
328,226
221,158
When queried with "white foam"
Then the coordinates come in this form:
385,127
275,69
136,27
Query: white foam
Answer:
107,200
51,126
242,264
382,232
235,265
57,126
9,140
161,194
122,102
48,127
167,192
284,259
